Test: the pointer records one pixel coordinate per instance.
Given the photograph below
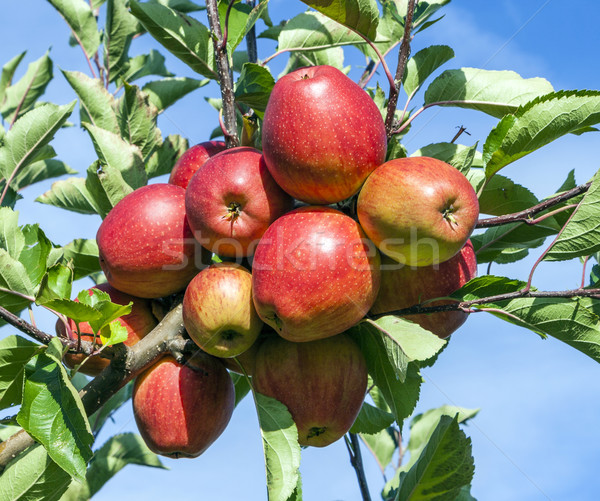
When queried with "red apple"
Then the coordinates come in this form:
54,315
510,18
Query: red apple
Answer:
418,210
322,383
232,200
218,312
403,286
314,274
188,163
322,135
138,323
146,245
180,410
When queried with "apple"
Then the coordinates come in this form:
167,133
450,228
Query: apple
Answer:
322,135
145,244
322,383
314,274
403,286
180,410
138,323
418,210
192,159
232,200
218,312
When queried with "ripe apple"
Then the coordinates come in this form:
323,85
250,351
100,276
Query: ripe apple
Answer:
232,200
138,323
146,245
218,312
322,383
180,410
314,274
322,135
188,163
403,286
418,210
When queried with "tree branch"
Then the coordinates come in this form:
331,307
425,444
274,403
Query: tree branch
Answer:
353,447
526,215
466,305
402,60
127,363
225,74
251,38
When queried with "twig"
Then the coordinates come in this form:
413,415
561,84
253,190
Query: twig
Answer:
251,38
353,446
526,215
225,74
466,305
583,273
402,60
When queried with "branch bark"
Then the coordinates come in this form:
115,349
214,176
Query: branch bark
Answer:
127,363
353,445
526,215
225,75
402,60
251,38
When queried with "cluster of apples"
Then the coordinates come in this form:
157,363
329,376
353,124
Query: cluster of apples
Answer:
311,271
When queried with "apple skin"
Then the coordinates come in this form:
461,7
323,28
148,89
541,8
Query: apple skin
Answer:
321,135
146,245
418,210
314,274
138,323
218,312
322,383
231,201
180,410
191,160
403,286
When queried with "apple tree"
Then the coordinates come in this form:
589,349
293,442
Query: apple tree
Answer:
53,412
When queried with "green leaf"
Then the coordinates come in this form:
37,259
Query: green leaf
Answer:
75,310
444,467
538,123
180,5
281,448
82,254
493,92
29,135
113,333
581,235
11,236
359,15
71,194
145,65
459,156
56,284
385,367
121,27
102,415
333,56
8,72
40,171
311,30
254,87
137,121
33,476
389,32
81,19
15,353
423,425
20,97
164,158
183,36
119,155
502,195
52,413
236,26
371,420
167,91
14,277
241,385
96,103
34,256
107,185
423,64
382,445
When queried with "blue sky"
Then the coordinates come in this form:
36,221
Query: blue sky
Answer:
537,435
